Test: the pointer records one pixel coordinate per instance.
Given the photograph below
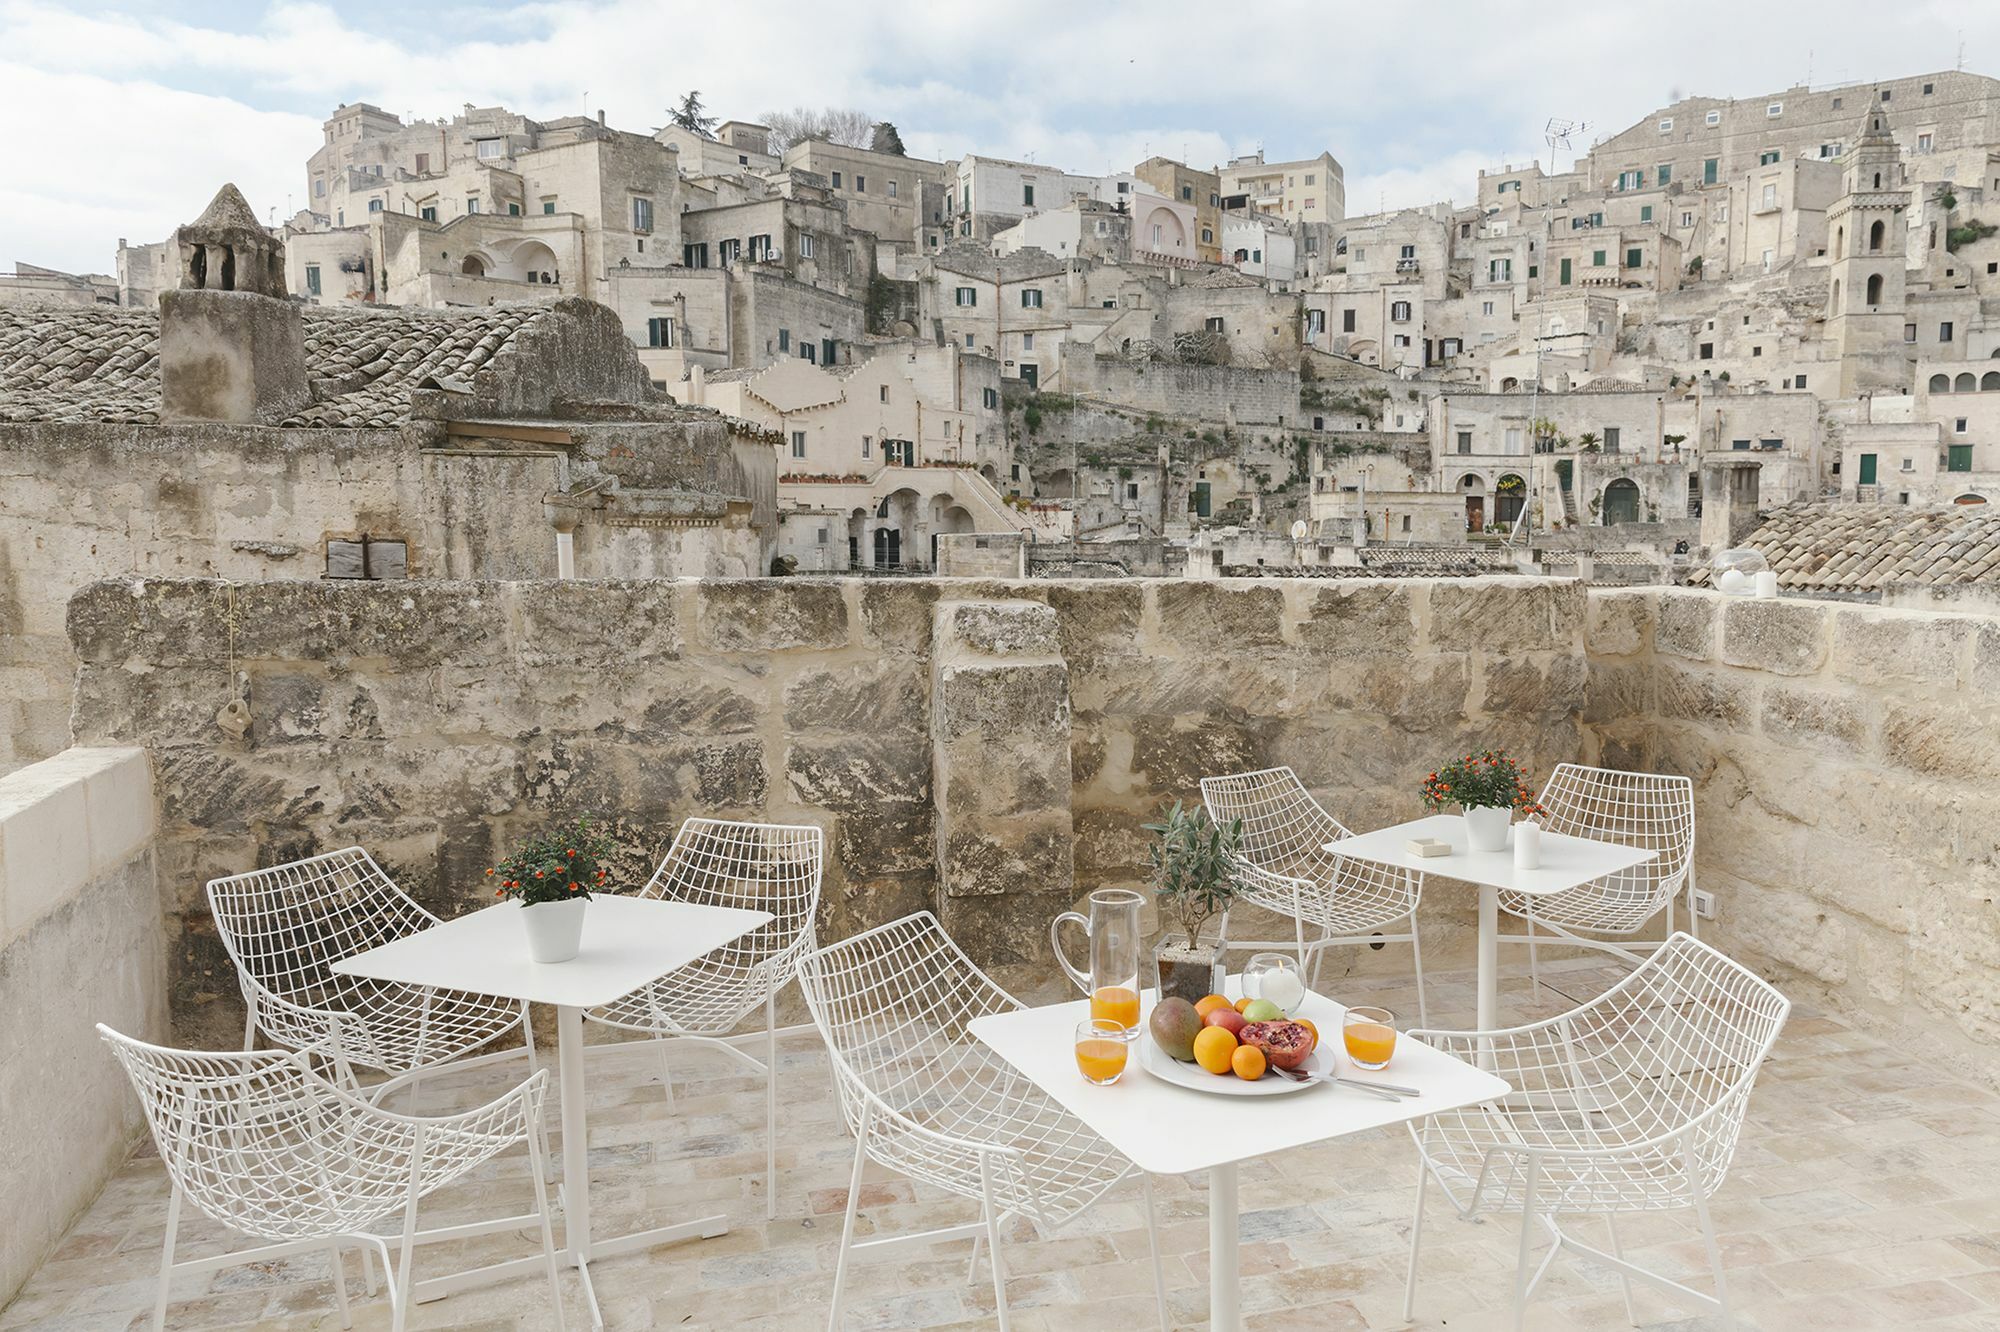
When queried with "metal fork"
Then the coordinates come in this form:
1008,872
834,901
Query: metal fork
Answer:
1386,1090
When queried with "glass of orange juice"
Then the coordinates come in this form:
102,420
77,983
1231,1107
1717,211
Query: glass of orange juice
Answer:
1101,1050
1370,1036
1117,1004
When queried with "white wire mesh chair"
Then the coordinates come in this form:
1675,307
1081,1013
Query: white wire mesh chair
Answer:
1652,811
758,866
926,1099
285,927
260,1142
1285,867
1632,1102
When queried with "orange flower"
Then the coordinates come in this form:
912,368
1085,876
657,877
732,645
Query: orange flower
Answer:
489,874
572,850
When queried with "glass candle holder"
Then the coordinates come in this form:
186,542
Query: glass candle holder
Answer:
1370,1037
1102,1047
1275,976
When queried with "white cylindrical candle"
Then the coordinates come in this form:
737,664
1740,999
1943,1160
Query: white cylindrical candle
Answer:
1284,988
1767,584
1528,845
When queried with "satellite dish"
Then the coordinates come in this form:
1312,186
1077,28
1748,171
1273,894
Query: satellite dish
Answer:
1299,530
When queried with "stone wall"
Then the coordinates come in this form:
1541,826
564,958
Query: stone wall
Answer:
945,732
1190,392
1845,812
80,943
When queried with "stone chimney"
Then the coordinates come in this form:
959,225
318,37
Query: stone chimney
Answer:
1728,500
232,347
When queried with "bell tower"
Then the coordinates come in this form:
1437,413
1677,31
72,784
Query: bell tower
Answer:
1867,228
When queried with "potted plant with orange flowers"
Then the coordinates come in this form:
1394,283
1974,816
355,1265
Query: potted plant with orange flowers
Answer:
552,876
1488,788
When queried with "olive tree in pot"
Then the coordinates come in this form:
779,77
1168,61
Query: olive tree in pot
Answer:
1195,878
552,875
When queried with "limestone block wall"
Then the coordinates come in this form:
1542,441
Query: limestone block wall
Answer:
1190,392
1846,813
81,942
984,748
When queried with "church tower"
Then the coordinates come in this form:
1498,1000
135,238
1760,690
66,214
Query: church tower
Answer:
1866,227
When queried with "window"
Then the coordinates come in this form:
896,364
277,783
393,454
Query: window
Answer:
1885,94
1315,323
1740,445
1027,196
892,189
884,389
1597,258
660,332
1663,173
1634,258
1768,157
1927,91
1213,323
1756,351
1944,331
548,206
312,279
695,255
784,339
760,249
319,189
861,184
1715,117
1562,278
428,212
1347,321
836,180
513,209
1534,270
806,244
1836,106
1707,352
1798,381
367,558
1667,125
1031,298
472,204
1465,441
798,443
1687,219
867,445
966,296
374,205
1027,342
1207,235
1486,307
729,250
1131,490
1631,180
991,398
1645,212
1958,426
1709,167
642,214
1187,191
491,148
1513,439
1408,252
1311,178
1399,311
968,339
1909,465
1775,109
1960,458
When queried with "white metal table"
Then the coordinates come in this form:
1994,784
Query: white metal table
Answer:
1169,1130
1567,862
627,942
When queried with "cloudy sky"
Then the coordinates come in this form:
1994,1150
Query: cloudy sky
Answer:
124,117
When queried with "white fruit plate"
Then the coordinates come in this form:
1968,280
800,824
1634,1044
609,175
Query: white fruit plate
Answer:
1196,1078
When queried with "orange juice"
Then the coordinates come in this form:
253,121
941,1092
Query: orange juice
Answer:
1101,1058
1370,1043
1115,1003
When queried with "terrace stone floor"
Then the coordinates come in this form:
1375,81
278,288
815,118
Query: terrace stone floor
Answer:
1866,1194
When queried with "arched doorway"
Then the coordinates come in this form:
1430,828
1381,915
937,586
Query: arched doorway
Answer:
1473,486
1875,286
1875,232
473,266
1621,503
1510,493
533,262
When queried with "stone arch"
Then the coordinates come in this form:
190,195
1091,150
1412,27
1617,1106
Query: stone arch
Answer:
1510,496
1965,383
1940,383
1879,229
473,265
532,261
1969,498
1510,385
1874,289
1990,381
1621,502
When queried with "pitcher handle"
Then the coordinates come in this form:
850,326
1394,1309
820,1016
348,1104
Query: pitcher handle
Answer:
1055,943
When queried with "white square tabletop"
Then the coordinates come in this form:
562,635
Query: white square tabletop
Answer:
627,942
1170,1130
1566,861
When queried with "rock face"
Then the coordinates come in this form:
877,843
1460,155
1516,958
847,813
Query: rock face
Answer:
983,749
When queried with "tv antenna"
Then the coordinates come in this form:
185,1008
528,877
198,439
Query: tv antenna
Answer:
1558,132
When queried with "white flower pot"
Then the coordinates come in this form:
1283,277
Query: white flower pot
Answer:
555,929
1486,827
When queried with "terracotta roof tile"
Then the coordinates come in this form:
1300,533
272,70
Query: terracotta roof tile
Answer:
1866,547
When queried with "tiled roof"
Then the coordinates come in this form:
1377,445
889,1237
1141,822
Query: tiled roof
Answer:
102,365
1859,549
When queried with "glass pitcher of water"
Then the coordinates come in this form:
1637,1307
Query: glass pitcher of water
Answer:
1114,933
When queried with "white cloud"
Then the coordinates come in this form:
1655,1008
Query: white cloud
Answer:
127,121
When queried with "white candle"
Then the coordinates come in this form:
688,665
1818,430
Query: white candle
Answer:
1528,845
1283,987
1767,584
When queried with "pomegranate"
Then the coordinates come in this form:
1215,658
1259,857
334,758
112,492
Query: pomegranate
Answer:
1285,1044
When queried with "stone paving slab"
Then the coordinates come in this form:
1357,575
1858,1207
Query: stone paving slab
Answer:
1866,1195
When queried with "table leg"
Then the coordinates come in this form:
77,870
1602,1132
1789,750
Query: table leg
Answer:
1489,958
1224,1282
575,1133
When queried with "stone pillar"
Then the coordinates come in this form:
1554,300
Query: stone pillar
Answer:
1728,500
230,356
1000,738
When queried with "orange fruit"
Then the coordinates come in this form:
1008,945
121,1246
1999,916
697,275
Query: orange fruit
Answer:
1208,1003
1244,1003
1214,1048
1249,1063
1308,1025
